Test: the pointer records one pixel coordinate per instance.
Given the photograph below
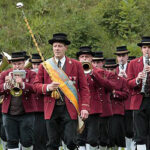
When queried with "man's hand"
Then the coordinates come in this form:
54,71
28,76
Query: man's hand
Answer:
19,80
147,68
140,76
53,86
84,114
8,79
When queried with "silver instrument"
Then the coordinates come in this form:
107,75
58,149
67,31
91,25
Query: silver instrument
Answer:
144,83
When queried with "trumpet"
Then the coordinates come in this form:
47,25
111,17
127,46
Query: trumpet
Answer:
87,67
14,87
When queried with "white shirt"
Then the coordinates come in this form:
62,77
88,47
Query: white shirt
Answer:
61,60
124,69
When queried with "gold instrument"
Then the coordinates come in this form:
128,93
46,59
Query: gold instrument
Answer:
5,61
87,67
14,87
55,93
28,64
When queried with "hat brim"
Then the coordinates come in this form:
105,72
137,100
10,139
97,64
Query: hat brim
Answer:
110,66
98,59
80,53
122,52
141,44
17,59
66,42
36,61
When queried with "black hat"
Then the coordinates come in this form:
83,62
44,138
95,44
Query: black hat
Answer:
36,58
17,56
59,37
25,55
145,41
121,50
98,56
85,50
131,58
110,63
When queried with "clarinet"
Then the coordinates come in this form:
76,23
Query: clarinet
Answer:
144,81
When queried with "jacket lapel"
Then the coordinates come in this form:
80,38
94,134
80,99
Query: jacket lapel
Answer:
140,64
69,66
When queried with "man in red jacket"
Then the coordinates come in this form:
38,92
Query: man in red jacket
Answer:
17,106
140,100
98,60
122,71
38,100
98,86
65,90
118,96
104,118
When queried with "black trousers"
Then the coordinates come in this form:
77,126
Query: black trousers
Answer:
117,131
61,127
18,129
90,134
104,131
129,123
40,135
142,122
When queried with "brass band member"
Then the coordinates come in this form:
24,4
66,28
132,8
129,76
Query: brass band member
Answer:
98,86
140,102
98,60
60,112
16,86
122,70
2,131
118,96
39,122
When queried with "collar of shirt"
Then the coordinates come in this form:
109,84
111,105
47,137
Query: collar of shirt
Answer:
61,60
125,67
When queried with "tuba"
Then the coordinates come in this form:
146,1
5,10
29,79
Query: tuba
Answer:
87,67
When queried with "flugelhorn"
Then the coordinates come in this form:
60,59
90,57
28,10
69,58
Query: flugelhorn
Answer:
14,87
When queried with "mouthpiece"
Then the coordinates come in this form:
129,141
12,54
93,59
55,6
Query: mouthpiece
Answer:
19,4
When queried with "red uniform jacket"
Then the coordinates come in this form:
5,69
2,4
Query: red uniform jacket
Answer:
97,85
120,95
105,98
135,66
26,97
38,100
128,101
75,72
